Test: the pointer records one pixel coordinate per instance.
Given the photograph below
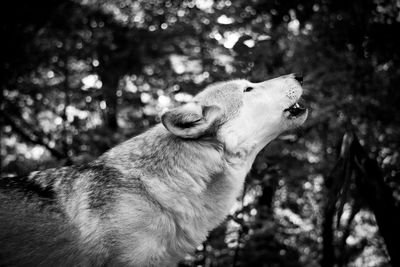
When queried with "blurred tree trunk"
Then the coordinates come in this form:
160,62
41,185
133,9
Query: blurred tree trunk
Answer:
370,181
328,252
110,86
328,255
354,164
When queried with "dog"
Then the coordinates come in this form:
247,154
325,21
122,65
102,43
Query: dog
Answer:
152,199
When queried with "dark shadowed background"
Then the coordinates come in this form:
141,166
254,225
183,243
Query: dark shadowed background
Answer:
78,77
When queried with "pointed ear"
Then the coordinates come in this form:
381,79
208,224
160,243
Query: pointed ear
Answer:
191,120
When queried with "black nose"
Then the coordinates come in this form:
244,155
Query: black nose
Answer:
298,77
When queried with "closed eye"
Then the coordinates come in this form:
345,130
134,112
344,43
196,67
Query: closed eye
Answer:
248,89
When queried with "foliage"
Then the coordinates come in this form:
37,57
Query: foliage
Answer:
80,76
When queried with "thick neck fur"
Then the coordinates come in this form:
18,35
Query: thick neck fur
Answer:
196,179
181,164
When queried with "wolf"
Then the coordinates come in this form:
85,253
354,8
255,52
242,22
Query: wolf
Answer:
152,199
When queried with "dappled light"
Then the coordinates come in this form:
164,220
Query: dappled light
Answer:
81,76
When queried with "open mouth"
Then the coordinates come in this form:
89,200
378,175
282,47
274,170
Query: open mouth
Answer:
295,110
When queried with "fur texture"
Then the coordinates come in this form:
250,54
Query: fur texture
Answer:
152,199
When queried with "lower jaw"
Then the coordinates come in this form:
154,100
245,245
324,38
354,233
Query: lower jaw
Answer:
298,119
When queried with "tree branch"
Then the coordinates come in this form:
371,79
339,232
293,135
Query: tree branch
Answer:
32,138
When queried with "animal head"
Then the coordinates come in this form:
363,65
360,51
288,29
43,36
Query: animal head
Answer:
240,114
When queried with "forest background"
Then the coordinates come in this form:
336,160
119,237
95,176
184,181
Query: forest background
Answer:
79,76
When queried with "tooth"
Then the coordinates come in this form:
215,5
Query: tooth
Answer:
296,105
